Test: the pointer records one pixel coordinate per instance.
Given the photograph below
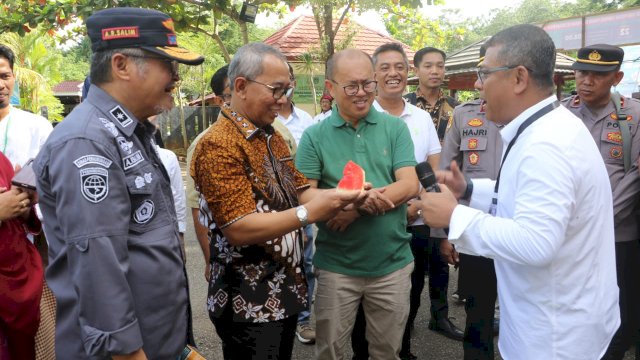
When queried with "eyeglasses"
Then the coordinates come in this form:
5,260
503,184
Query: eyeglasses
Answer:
173,65
352,89
483,73
278,92
226,97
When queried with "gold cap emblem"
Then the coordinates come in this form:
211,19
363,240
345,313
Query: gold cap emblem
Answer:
595,56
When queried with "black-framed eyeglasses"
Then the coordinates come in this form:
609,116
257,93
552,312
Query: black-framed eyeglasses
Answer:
352,89
483,73
226,97
173,64
278,92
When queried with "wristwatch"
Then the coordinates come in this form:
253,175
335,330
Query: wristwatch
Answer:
302,214
469,190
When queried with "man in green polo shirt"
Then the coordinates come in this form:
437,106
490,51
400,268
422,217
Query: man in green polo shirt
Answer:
362,254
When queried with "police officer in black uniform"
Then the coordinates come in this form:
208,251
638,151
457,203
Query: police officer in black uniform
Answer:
115,259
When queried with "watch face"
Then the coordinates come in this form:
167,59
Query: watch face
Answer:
301,212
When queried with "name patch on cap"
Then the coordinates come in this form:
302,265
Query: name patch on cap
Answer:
124,32
172,39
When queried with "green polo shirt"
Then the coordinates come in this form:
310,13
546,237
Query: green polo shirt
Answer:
381,144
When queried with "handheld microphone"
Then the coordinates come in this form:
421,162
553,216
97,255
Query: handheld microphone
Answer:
428,180
427,177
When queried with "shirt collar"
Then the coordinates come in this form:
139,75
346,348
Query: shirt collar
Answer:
293,116
113,110
336,120
244,126
509,131
407,111
419,94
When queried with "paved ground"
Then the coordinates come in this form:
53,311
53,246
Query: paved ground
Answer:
425,343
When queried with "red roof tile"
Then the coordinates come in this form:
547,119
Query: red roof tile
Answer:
68,87
301,35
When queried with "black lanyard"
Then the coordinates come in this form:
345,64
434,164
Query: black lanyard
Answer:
537,115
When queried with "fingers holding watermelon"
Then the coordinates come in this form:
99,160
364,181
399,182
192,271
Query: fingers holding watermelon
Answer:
329,203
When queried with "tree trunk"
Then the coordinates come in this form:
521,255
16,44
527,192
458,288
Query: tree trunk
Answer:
328,28
244,32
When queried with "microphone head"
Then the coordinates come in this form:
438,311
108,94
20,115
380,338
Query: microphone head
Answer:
426,176
425,173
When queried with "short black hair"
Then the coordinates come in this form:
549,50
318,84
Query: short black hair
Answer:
529,46
7,53
417,58
217,80
392,46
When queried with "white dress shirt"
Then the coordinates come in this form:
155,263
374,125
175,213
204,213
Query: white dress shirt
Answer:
322,116
552,240
423,134
297,122
22,134
170,162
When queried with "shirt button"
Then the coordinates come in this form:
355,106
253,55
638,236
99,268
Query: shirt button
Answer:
358,135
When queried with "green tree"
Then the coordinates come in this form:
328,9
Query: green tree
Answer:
403,22
325,10
205,17
76,60
37,69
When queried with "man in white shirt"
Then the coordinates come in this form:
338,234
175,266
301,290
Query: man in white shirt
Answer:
294,118
21,133
552,234
297,121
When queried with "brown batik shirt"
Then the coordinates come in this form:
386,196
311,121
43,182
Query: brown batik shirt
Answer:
441,112
240,169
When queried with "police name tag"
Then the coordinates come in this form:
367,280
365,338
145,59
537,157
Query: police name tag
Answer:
132,160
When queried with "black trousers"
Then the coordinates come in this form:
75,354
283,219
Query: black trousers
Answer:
256,341
481,290
628,270
427,259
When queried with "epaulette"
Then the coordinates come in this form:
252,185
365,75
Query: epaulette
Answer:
472,103
451,101
572,101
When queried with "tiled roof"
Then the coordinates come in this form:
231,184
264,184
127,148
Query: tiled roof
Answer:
68,87
301,35
465,60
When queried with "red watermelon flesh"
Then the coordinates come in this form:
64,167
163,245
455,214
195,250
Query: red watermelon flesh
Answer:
352,177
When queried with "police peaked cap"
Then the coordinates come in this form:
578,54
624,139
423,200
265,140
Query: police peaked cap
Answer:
599,57
150,30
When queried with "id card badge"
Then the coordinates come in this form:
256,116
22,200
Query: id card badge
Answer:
494,205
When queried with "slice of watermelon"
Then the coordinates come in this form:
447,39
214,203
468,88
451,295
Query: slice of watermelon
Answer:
352,177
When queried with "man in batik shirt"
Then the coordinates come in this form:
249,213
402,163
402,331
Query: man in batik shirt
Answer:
252,195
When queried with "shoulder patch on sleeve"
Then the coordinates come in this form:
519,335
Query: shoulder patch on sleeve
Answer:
94,184
93,160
